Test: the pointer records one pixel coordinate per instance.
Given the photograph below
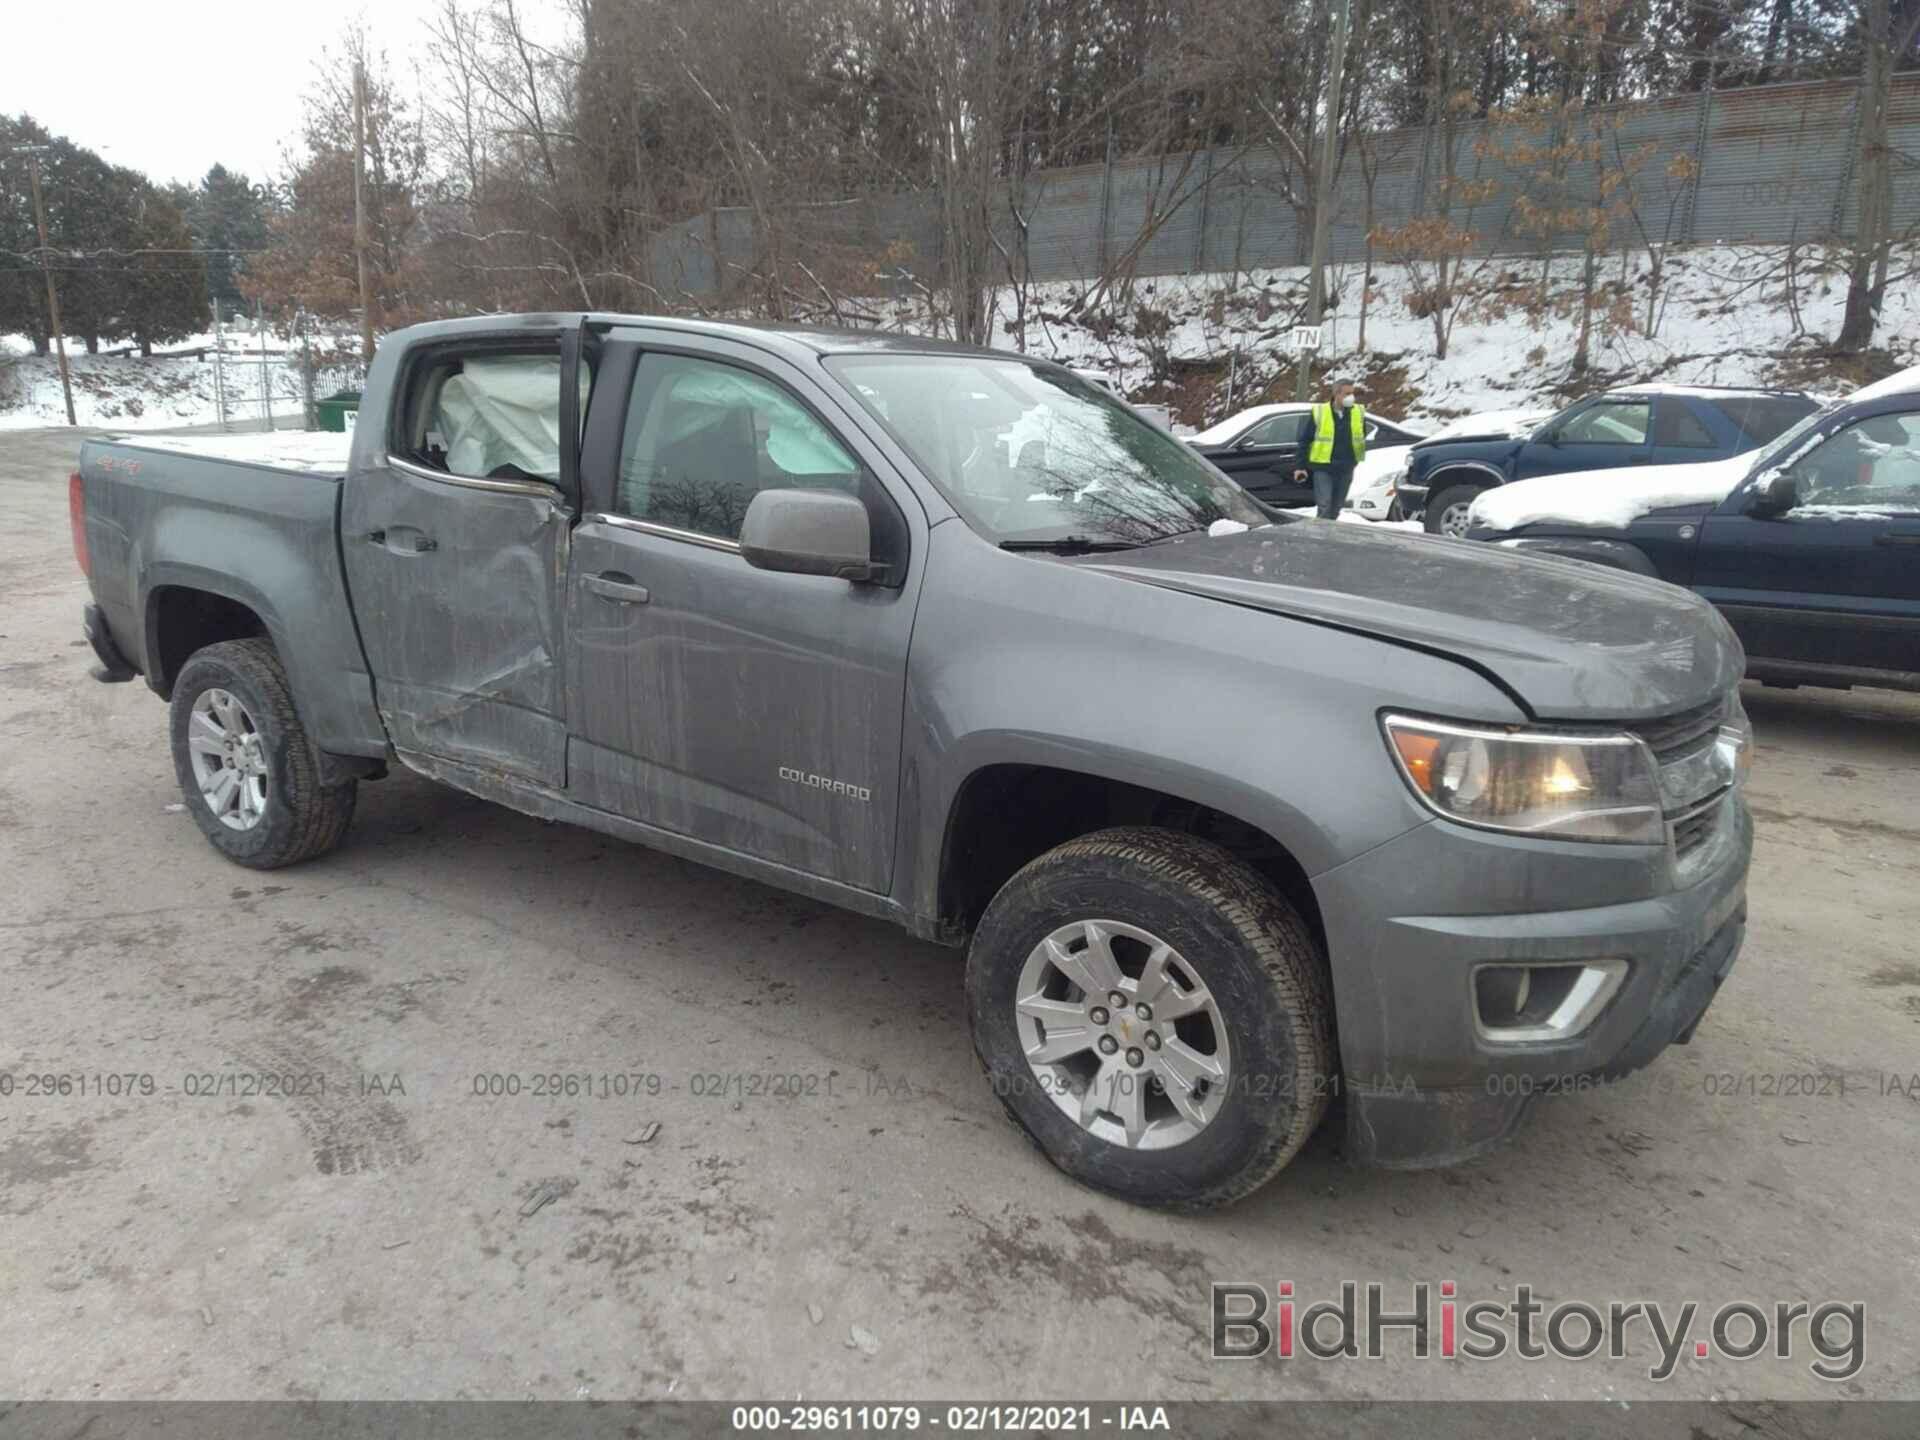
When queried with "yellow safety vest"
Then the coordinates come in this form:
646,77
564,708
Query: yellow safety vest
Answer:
1321,451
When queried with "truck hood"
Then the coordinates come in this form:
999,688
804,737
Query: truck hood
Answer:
1570,641
1495,448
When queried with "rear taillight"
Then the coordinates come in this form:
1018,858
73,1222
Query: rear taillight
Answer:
77,513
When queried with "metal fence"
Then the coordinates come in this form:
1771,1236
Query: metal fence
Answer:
1768,165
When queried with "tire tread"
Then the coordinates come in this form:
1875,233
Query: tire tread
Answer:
320,813
1282,944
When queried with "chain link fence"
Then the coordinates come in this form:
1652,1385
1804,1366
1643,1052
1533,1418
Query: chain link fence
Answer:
1766,165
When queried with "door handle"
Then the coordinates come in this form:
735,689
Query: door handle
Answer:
418,545
618,588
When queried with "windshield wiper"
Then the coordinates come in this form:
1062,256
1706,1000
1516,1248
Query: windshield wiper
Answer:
1069,545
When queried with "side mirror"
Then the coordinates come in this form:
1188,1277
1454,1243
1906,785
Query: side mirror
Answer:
808,532
1549,436
1776,494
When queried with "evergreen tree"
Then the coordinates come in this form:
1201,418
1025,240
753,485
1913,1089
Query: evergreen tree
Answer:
228,216
164,292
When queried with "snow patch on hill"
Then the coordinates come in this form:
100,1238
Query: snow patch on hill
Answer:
1207,344
174,387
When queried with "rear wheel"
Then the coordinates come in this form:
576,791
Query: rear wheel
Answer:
247,771
1447,510
1154,1015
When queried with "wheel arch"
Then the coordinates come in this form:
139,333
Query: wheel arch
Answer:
1614,554
190,610
1478,473
1006,813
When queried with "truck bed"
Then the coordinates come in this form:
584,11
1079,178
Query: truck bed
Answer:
187,531
317,452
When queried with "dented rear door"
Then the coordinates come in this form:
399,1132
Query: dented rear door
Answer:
456,550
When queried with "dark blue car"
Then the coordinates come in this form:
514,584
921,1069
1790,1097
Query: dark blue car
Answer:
1636,425
1811,550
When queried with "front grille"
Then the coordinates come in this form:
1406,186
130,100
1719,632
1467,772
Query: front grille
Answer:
1693,831
1675,741
1680,735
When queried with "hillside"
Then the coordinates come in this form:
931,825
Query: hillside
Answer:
175,387
1723,318
1203,343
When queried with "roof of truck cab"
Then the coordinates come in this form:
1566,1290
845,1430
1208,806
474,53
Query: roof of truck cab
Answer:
1704,392
809,339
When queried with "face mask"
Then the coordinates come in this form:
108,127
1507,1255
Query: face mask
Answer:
1346,403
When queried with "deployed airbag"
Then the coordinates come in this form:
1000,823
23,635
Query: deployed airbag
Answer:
503,410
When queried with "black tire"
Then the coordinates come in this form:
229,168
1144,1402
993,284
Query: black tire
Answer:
1241,939
302,818
1439,504
1394,512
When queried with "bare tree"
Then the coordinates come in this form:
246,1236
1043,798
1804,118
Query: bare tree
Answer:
1887,30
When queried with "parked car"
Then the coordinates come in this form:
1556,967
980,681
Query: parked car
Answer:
1635,425
1257,448
1376,480
792,603
1375,492
1810,548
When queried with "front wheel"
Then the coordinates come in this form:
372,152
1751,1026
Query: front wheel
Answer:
247,771
1447,512
1154,1015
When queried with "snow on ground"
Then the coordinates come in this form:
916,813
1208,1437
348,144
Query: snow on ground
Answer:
1722,321
172,389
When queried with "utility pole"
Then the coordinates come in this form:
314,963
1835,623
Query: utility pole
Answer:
33,152
360,208
1323,189
219,367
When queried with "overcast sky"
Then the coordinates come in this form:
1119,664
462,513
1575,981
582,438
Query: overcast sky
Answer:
170,87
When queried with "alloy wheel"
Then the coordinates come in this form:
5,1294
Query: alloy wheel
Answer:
229,759
1122,1034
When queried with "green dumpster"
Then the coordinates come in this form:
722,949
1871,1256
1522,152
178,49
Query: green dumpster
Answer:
338,411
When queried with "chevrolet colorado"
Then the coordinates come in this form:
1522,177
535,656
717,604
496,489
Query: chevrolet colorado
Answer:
1238,820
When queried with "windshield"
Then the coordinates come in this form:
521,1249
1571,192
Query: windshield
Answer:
1029,453
1788,439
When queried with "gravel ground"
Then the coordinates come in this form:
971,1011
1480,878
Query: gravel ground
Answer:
882,1233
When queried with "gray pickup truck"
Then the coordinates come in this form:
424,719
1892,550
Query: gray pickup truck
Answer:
1240,820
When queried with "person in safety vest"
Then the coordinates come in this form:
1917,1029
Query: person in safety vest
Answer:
1332,440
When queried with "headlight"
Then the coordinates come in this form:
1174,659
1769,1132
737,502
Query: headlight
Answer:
1560,787
1736,741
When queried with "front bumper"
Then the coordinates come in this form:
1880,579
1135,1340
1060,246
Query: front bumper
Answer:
1423,1084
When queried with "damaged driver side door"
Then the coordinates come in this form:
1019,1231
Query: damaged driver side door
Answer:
455,548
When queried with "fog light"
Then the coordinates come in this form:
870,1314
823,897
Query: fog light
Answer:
1523,1004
